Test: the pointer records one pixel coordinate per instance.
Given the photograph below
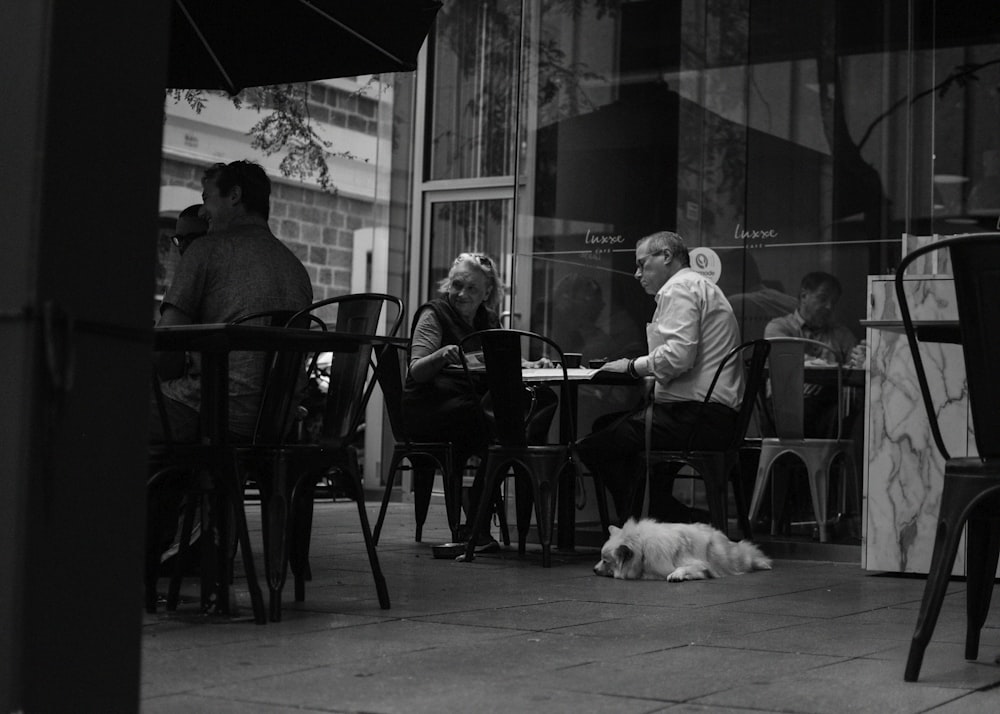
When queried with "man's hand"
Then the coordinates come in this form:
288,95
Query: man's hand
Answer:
619,366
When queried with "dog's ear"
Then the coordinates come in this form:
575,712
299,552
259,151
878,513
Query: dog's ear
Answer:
613,529
623,553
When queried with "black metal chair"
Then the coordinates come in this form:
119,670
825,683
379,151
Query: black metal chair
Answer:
538,466
787,369
971,492
211,483
718,469
287,473
439,453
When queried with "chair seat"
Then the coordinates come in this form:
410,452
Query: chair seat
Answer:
717,469
818,456
974,466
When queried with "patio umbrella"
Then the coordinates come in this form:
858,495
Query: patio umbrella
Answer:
233,44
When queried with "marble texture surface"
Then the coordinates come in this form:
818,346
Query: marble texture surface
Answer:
904,469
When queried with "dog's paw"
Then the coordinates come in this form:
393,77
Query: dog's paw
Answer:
688,572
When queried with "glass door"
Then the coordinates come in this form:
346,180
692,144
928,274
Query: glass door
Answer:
465,221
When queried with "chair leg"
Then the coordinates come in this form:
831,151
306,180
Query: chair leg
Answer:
819,487
492,474
452,495
524,504
300,532
760,488
949,533
184,544
235,494
779,494
736,480
423,486
500,508
274,516
716,493
602,503
390,481
545,515
353,472
152,562
982,547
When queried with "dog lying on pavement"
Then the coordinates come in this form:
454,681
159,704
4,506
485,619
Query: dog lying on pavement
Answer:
651,550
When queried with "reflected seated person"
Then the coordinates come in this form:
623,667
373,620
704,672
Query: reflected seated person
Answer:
814,319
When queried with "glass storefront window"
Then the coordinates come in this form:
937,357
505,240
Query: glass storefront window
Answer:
780,137
473,74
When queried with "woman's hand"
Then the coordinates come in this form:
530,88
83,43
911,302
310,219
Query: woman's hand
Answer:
542,363
426,368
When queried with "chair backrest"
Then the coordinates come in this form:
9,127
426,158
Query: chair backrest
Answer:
390,375
511,400
284,379
349,385
975,260
754,355
787,374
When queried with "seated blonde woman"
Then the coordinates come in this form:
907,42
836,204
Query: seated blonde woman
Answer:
437,405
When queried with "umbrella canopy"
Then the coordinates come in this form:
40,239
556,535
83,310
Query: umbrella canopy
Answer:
233,44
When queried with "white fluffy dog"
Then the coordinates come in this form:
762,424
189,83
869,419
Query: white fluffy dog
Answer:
675,551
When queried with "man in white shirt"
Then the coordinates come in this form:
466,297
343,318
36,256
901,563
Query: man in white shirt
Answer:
692,330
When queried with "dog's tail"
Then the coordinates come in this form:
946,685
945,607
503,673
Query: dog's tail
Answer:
750,557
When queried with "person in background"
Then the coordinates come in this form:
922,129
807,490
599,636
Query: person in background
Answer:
814,319
692,330
190,226
238,267
437,405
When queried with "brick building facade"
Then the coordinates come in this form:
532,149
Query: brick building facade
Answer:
317,225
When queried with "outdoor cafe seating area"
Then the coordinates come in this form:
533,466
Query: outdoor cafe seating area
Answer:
807,627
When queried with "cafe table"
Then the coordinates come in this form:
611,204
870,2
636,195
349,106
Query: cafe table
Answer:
215,341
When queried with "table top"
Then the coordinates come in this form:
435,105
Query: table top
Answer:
927,330
827,375
576,374
541,375
224,337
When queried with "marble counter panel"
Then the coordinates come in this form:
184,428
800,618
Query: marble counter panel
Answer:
903,469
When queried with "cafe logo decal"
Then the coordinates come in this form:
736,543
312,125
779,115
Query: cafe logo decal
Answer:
754,237
706,262
602,243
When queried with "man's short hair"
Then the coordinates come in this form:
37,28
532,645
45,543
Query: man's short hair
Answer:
811,282
254,184
667,240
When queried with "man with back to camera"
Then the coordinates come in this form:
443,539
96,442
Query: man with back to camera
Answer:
692,330
238,267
